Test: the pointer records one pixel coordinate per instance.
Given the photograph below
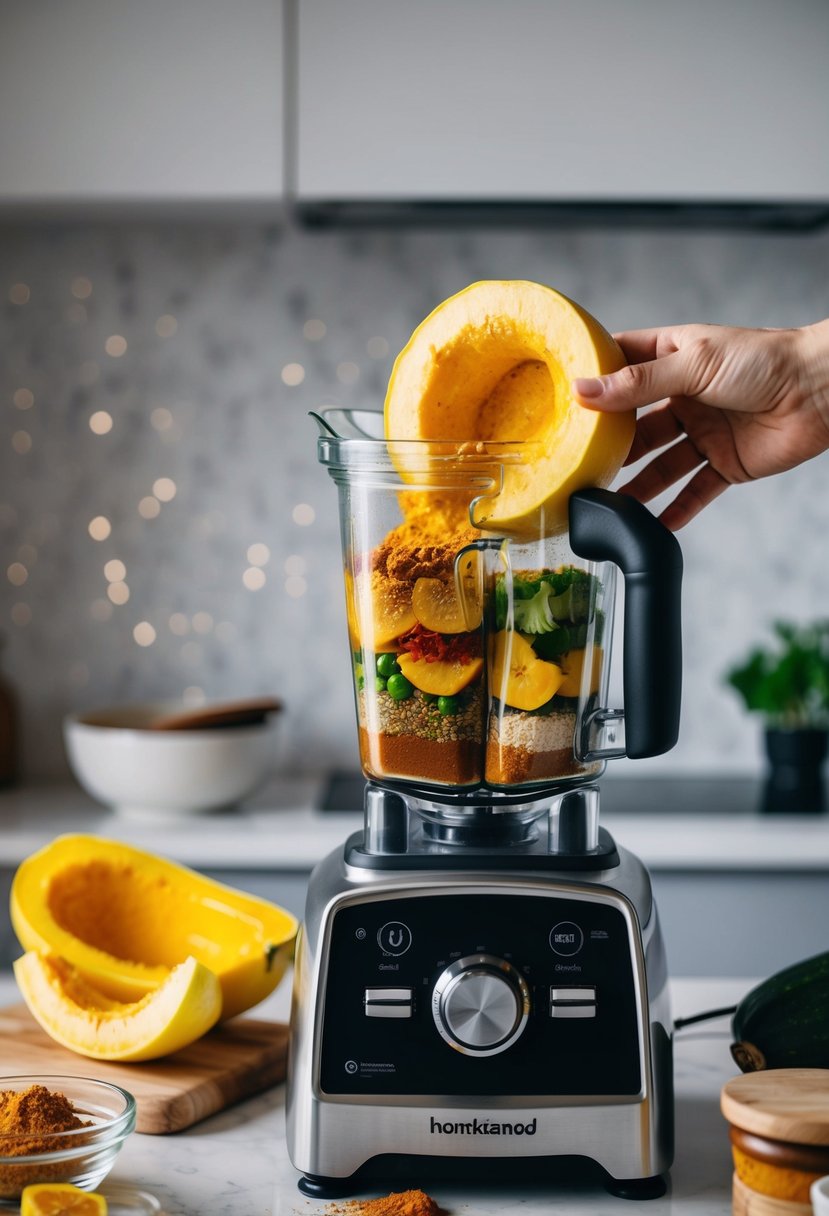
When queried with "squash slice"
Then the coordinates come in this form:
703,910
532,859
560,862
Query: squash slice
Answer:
493,364
85,1020
124,917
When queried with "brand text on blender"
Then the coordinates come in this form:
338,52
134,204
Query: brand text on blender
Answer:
482,1127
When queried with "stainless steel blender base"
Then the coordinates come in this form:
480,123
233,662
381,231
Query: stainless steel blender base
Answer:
373,1076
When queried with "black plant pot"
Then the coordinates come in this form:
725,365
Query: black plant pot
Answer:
794,784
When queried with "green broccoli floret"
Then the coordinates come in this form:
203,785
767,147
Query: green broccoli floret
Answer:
574,602
535,615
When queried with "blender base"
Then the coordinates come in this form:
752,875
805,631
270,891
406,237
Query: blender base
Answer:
391,1171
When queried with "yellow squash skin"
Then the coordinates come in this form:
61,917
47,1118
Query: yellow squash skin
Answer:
78,1016
494,363
124,917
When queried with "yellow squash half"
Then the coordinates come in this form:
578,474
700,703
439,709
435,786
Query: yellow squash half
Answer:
124,918
77,1015
493,364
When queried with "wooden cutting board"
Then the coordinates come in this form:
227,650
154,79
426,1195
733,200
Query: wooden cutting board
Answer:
241,1058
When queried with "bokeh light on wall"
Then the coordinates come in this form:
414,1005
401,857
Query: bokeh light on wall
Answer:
314,329
81,288
164,488
21,614
149,507
17,574
254,578
115,571
99,528
19,293
166,326
258,554
293,374
22,442
303,514
23,399
348,373
119,593
144,633
161,419
115,346
179,624
100,423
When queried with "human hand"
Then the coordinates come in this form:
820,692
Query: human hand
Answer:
735,405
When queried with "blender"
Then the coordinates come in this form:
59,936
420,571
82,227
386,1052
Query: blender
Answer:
480,984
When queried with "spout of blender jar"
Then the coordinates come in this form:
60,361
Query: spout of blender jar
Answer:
606,526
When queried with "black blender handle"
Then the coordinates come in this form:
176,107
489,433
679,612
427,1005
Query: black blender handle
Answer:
606,526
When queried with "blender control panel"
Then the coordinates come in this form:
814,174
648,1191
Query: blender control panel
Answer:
495,994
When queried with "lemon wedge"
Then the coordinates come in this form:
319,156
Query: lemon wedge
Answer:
79,1016
60,1199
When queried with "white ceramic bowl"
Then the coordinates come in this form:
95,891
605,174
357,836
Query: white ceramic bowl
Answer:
149,772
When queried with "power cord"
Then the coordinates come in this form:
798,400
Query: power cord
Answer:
726,1010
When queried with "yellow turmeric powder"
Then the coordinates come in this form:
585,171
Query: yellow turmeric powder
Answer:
400,1203
28,1118
30,1114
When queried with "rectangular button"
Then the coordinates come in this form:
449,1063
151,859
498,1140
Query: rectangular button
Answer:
387,1011
572,1011
573,994
389,994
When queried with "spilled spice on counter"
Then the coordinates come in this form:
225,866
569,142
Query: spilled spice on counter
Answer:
399,1203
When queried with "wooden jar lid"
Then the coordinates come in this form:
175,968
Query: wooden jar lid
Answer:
790,1104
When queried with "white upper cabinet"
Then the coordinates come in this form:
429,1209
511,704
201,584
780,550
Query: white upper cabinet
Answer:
539,100
140,100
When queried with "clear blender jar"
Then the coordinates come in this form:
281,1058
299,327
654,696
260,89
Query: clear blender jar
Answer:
481,661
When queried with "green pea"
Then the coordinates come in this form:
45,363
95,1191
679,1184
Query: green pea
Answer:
387,665
379,683
448,706
399,687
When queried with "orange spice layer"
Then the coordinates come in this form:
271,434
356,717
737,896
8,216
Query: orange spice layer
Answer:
409,758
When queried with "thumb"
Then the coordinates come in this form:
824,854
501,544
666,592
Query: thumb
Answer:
636,385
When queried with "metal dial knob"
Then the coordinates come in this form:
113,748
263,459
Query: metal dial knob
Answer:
480,1005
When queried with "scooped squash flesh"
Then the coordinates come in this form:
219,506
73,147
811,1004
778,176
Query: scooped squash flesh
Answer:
78,1016
493,364
124,917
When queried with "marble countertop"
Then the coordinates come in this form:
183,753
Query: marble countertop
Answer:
236,1164
278,830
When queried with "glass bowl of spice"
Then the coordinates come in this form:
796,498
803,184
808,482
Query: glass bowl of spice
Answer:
59,1129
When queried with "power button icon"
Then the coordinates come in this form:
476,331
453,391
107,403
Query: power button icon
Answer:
394,937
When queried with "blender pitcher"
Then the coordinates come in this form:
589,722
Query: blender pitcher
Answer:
481,662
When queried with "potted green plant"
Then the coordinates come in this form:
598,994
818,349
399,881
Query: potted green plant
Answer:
788,684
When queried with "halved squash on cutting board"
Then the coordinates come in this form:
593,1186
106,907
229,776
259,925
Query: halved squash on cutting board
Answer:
85,1020
124,917
493,364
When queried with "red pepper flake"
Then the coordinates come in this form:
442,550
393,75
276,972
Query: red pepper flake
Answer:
422,643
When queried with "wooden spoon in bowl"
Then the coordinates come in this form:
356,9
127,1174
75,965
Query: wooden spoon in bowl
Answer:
228,713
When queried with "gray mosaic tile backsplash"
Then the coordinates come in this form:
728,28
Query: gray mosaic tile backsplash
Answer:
165,528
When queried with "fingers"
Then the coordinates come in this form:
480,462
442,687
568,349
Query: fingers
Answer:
636,385
702,489
654,429
664,470
640,345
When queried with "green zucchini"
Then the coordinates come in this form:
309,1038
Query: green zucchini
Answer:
784,1021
